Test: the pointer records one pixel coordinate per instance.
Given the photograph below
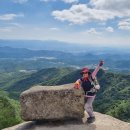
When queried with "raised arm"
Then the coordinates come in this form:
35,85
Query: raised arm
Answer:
97,69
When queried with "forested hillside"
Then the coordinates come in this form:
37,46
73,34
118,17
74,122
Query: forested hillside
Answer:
9,111
113,97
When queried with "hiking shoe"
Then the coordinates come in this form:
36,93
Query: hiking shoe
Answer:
90,119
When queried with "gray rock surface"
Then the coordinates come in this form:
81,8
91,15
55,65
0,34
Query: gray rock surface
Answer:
52,103
103,122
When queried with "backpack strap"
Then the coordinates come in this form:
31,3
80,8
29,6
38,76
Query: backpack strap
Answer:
93,82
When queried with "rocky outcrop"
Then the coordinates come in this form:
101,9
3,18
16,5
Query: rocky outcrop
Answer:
103,122
44,103
52,103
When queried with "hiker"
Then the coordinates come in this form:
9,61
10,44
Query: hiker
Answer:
90,86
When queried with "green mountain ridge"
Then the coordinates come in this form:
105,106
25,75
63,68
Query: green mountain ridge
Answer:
48,76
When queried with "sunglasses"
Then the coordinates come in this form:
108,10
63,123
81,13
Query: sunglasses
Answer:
85,73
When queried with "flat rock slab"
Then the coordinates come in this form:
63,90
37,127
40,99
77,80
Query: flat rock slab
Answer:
52,103
103,122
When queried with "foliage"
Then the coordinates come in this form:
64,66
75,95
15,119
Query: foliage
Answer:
120,110
113,97
46,76
9,112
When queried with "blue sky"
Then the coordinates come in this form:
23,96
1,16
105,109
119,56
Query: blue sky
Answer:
97,22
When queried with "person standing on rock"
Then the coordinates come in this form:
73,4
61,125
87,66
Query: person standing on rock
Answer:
90,86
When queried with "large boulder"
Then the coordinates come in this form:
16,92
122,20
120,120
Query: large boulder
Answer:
52,102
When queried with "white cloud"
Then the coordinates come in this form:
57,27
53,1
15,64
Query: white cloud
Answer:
95,10
16,25
109,29
5,29
8,17
124,24
20,1
125,27
102,23
92,31
70,1
48,0
111,4
121,8
54,29
51,29
65,1
79,14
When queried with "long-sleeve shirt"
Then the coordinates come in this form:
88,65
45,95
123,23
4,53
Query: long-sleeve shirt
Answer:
95,72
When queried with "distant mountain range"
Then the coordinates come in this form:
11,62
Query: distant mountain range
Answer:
17,59
45,45
60,46
9,52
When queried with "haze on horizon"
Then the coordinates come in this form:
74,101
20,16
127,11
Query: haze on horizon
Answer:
95,22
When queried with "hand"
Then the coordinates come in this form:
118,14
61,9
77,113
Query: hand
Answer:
97,87
101,63
76,86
